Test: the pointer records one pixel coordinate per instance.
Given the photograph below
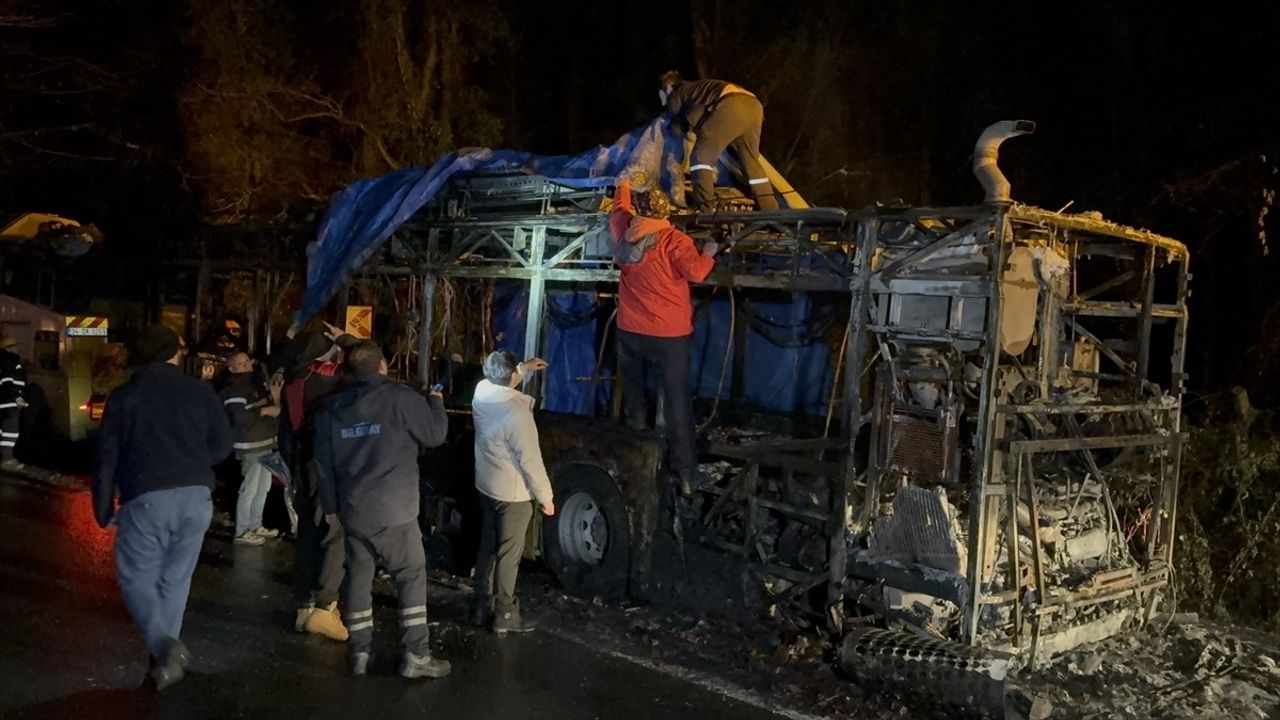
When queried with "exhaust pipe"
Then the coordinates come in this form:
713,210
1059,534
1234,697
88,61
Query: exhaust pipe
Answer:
986,156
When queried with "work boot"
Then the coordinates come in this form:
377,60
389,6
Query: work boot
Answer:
359,664
249,537
265,533
171,666
423,666
11,464
508,620
327,622
300,620
481,614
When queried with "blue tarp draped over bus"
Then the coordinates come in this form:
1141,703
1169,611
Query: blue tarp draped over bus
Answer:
361,217
790,369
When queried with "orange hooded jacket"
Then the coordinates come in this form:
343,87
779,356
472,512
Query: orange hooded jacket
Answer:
657,263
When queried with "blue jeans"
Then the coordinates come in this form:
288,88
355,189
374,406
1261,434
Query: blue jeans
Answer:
157,546
253,492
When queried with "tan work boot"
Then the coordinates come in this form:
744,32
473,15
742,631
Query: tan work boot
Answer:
327,622
300,620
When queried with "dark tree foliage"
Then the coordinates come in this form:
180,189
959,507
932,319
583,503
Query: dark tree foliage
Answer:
160,120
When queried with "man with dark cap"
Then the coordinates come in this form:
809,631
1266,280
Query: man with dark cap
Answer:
313,375
161,436
254,410
719,115
367,440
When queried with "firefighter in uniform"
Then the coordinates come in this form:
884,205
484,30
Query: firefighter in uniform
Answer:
721,115
366,454
13,380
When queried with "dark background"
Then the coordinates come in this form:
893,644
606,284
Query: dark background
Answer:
166,121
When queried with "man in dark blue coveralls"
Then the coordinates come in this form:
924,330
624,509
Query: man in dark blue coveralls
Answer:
366,454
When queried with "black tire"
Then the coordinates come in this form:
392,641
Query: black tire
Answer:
606,578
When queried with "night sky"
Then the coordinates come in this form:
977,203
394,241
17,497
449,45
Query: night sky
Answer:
1154,116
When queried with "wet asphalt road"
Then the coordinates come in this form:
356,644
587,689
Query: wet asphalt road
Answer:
69,650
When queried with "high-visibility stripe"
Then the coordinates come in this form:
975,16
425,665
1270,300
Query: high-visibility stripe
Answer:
232,401
253,445
413,610
696,168
360,626
6,406
414,622
9,435
6,443
360,614
758,181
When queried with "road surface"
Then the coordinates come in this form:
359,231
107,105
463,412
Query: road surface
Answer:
69,650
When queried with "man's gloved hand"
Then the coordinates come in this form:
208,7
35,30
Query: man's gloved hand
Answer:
711,248
22,403
636,177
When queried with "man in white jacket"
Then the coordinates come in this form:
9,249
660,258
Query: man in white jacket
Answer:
510,476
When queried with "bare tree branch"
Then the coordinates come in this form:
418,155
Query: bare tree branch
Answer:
34,132
17,19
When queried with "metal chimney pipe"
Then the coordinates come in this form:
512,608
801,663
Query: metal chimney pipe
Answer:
986,156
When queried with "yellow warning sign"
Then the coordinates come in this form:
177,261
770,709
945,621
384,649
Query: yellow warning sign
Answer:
80,325
360,321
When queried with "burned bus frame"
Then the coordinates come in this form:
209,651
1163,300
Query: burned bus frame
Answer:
527,228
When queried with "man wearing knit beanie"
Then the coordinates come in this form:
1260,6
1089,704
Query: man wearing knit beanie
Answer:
160,437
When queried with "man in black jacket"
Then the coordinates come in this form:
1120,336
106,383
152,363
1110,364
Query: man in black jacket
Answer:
160,437
13,380
254,411
367,440
721,115
314,375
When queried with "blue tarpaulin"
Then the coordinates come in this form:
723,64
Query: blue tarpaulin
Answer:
789,371
572,345
361,217
786,374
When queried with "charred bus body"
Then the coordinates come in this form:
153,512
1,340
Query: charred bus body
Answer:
998,461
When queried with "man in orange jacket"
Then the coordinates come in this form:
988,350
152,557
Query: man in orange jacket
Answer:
655,315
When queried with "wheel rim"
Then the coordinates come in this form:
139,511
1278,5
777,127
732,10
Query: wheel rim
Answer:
584,530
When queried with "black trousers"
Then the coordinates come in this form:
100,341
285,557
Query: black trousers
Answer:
735,123
317,572
502,535
399,549
637,353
